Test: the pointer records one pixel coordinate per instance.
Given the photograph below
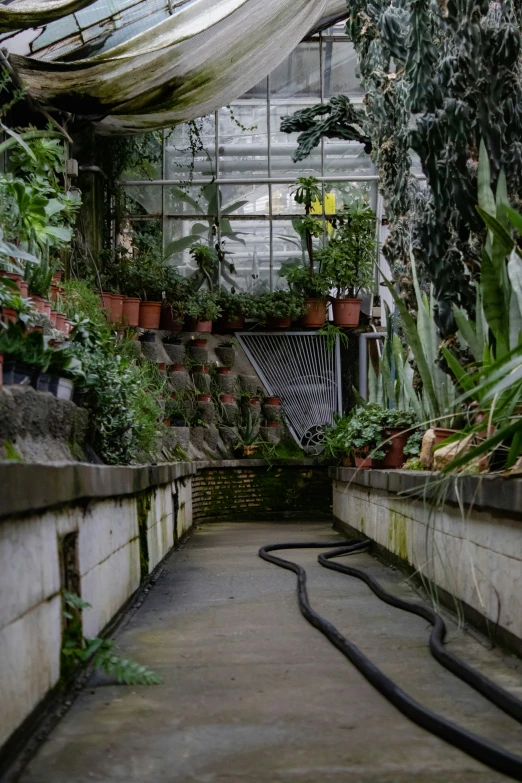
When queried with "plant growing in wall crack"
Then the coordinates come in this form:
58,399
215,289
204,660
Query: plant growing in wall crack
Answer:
77,650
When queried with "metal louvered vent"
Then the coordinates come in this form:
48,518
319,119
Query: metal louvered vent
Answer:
299,368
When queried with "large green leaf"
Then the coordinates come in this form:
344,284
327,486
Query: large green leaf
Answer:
179,245
493,303
486,198
514,216
233,207
467,331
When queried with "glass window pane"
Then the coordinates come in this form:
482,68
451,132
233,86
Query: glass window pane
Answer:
284,145
248,248
299,74
184,140
346,158
143,199
244,200
340,63
243,145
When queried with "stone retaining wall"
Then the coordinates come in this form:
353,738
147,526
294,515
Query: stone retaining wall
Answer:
94,530
239,489
467,546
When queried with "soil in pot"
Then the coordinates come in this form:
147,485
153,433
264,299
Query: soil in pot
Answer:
150,314
315,314
279,323
346,312
130,313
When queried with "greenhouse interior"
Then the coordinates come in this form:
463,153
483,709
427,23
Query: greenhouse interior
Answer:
260,291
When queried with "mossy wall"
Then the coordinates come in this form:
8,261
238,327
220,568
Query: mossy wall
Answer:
250,492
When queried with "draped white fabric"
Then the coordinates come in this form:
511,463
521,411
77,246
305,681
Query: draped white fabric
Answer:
202,56
28,13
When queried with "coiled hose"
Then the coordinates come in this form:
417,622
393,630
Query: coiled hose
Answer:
479,748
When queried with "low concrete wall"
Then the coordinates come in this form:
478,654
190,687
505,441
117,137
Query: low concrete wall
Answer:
233,489
95,530
468,545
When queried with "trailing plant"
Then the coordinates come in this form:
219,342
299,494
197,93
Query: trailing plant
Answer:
78,650
332,333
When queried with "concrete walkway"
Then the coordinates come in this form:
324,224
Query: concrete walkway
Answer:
253,694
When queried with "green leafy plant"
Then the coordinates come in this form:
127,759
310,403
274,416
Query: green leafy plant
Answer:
349,258
306,192
77,650
364,431
331,333
302,283
277,304
204,306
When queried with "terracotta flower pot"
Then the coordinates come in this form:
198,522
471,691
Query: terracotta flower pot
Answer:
441,433
55,290
57,276
60,322
130,311
203,326
166,422
200,368
39,303
8,315
47,309
52,317
254,400
315,314
346,312
279,323
68,328
227,399
14,276
177,368
116,308
23,287
272,401
204,397
362,460
395,455
161,366
272,424
232,322
150,314
223,370
170,320
105,300
200,342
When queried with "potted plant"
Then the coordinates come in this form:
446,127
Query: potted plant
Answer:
39,278
313,289
15,370
397,426
247,434
63,368
348,261
177,291
226,353
308,192
278,309
9,269
10,301
204,308
235,307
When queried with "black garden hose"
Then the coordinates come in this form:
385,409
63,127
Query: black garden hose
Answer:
481,749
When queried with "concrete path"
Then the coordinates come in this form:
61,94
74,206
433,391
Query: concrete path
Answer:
253,694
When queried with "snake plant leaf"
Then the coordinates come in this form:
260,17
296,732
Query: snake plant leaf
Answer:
486,199
458,370
500,234
468,332
514,270
179,245
493,303
514,216
417,348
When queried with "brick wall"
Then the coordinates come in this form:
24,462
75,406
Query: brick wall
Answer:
255,490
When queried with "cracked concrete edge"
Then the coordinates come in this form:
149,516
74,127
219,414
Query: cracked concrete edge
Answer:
31,487
495,493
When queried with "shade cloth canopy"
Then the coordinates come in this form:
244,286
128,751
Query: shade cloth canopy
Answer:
134,66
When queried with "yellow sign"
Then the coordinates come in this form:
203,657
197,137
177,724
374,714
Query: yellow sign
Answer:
329,205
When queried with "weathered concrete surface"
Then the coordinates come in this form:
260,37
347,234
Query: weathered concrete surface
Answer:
253,694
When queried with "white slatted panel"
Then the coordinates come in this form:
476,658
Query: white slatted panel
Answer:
298,367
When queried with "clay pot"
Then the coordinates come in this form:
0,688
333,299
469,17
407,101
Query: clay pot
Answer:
279,323
227,399
57,277
170,320
68,328
395,455
23,287
315,314
60,322
105,300
14,276
200,368
55,290
200,342
8,315
161,366
231,323
47,309
177,368
39,303
441,433
223,370
130,311
346,312
272,401
150,314
116,308
254,400
203,326
362,460
204,397
166,422
271,424
52,317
